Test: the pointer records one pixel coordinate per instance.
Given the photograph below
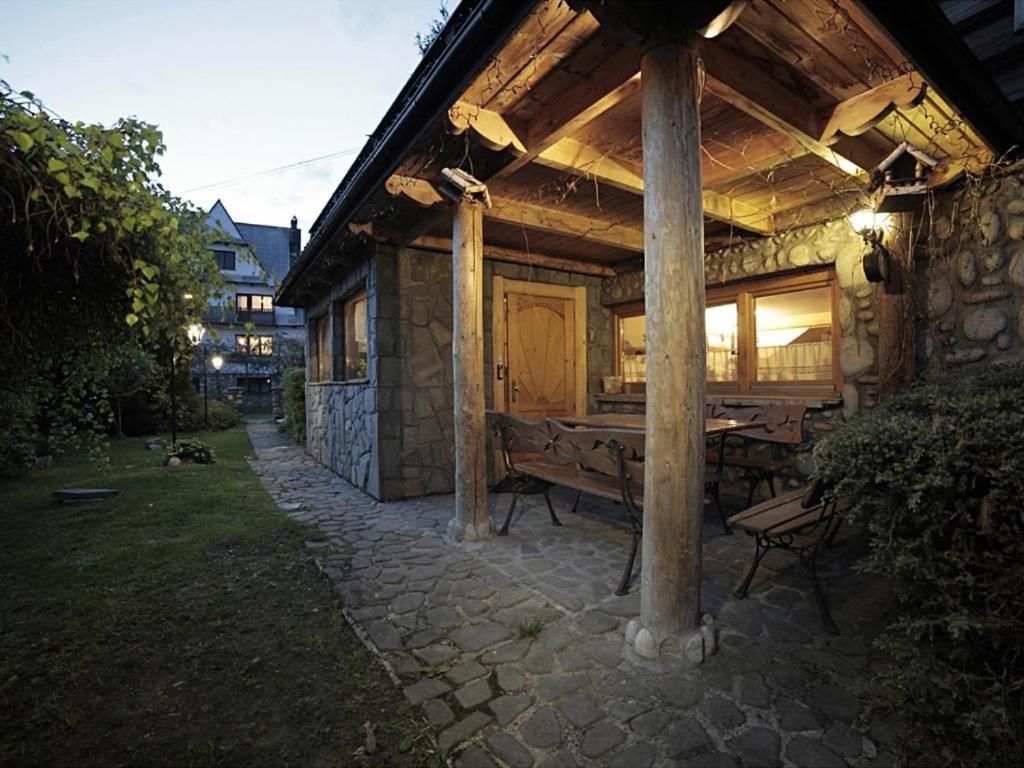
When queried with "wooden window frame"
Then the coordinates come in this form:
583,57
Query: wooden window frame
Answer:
744,293
322,349
345,328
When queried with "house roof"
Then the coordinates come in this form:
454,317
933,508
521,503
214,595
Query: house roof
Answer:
271,247
543,104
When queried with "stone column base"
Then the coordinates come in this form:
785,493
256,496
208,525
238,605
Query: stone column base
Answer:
459,531
644,646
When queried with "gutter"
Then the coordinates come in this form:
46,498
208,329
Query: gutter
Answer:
475,31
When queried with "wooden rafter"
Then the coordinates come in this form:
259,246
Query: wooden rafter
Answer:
515,256
560,222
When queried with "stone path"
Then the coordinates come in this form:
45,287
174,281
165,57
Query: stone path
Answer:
513,647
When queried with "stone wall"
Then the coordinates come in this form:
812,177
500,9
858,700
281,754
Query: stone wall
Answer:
970,277
414,344
342,416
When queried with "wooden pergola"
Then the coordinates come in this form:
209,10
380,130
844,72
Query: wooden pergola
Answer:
616,135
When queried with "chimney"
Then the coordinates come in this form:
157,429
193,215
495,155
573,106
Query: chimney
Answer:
294,242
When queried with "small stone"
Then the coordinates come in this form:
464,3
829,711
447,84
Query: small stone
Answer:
794,716
384,635
966,269
1016,271
940,297
558,685
510,678
601,738
995,293
476,637
437,712
1003,341
505,708
174,461
645,645
560,759
758,746
985,323
542,729
606,652
436,655
580,710
509,750
991,225
461,731
684,737
473,695
427,688
964,355
463,673
632,627
809,753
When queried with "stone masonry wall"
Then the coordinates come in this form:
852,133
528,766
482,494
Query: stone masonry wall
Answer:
970,278
342,416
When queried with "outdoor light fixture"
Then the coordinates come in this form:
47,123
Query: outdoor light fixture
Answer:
871,226
196,333
216,361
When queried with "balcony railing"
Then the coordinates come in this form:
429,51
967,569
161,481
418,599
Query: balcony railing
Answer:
239,316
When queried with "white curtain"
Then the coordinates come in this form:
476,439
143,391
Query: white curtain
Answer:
795,362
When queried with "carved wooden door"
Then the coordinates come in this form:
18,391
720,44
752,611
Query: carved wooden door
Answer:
541,356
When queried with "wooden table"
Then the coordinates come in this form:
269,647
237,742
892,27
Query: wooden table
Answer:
712,427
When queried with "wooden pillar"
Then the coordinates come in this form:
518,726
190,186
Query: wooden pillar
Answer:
676,354
471,521
895,318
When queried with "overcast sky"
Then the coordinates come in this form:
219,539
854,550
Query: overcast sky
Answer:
237,86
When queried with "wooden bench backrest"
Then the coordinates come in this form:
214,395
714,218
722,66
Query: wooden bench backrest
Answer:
785,423
592,449
519,435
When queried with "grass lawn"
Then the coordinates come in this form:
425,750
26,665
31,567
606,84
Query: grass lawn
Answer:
180,623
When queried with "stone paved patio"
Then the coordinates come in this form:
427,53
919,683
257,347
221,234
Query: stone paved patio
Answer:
451,622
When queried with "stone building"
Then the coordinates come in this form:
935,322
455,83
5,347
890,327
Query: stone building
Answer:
791,314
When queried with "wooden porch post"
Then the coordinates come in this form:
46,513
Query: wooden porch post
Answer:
471,521
676,354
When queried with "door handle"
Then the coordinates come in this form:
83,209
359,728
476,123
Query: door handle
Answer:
515,389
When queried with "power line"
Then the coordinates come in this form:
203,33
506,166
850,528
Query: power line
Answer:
273,171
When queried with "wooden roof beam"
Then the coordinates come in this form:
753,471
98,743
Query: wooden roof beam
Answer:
561,222
570,155
515,256
750,89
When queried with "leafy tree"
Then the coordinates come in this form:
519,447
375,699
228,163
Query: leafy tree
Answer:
96,255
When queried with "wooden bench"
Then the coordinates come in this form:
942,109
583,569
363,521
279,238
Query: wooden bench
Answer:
783,426
800,522
601,462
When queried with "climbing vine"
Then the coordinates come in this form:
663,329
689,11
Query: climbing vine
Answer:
96,255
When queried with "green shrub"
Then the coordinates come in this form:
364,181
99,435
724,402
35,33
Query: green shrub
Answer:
936,478
191,415
294,383
190,449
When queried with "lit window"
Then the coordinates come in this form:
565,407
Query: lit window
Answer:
355,336
262,346
794,335
765,336
248,302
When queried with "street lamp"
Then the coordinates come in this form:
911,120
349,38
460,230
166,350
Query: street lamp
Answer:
217,361
195,337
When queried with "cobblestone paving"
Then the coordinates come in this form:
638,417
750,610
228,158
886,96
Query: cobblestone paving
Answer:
513,647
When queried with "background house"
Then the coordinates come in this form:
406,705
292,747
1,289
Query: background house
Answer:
257,338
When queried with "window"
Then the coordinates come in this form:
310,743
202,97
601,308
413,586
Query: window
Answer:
248,302
225,259
355,336
254,385
262,346
776,335
322,358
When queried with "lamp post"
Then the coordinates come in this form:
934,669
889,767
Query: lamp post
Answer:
217,361
195,337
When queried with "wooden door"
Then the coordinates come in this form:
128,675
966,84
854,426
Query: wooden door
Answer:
541,355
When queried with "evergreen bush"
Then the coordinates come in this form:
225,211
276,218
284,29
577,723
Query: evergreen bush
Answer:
190,449
935,476
294,383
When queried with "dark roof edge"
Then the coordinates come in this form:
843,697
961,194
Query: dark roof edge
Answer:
475,31
935,47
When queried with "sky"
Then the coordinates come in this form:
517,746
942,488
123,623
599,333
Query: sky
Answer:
237,87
